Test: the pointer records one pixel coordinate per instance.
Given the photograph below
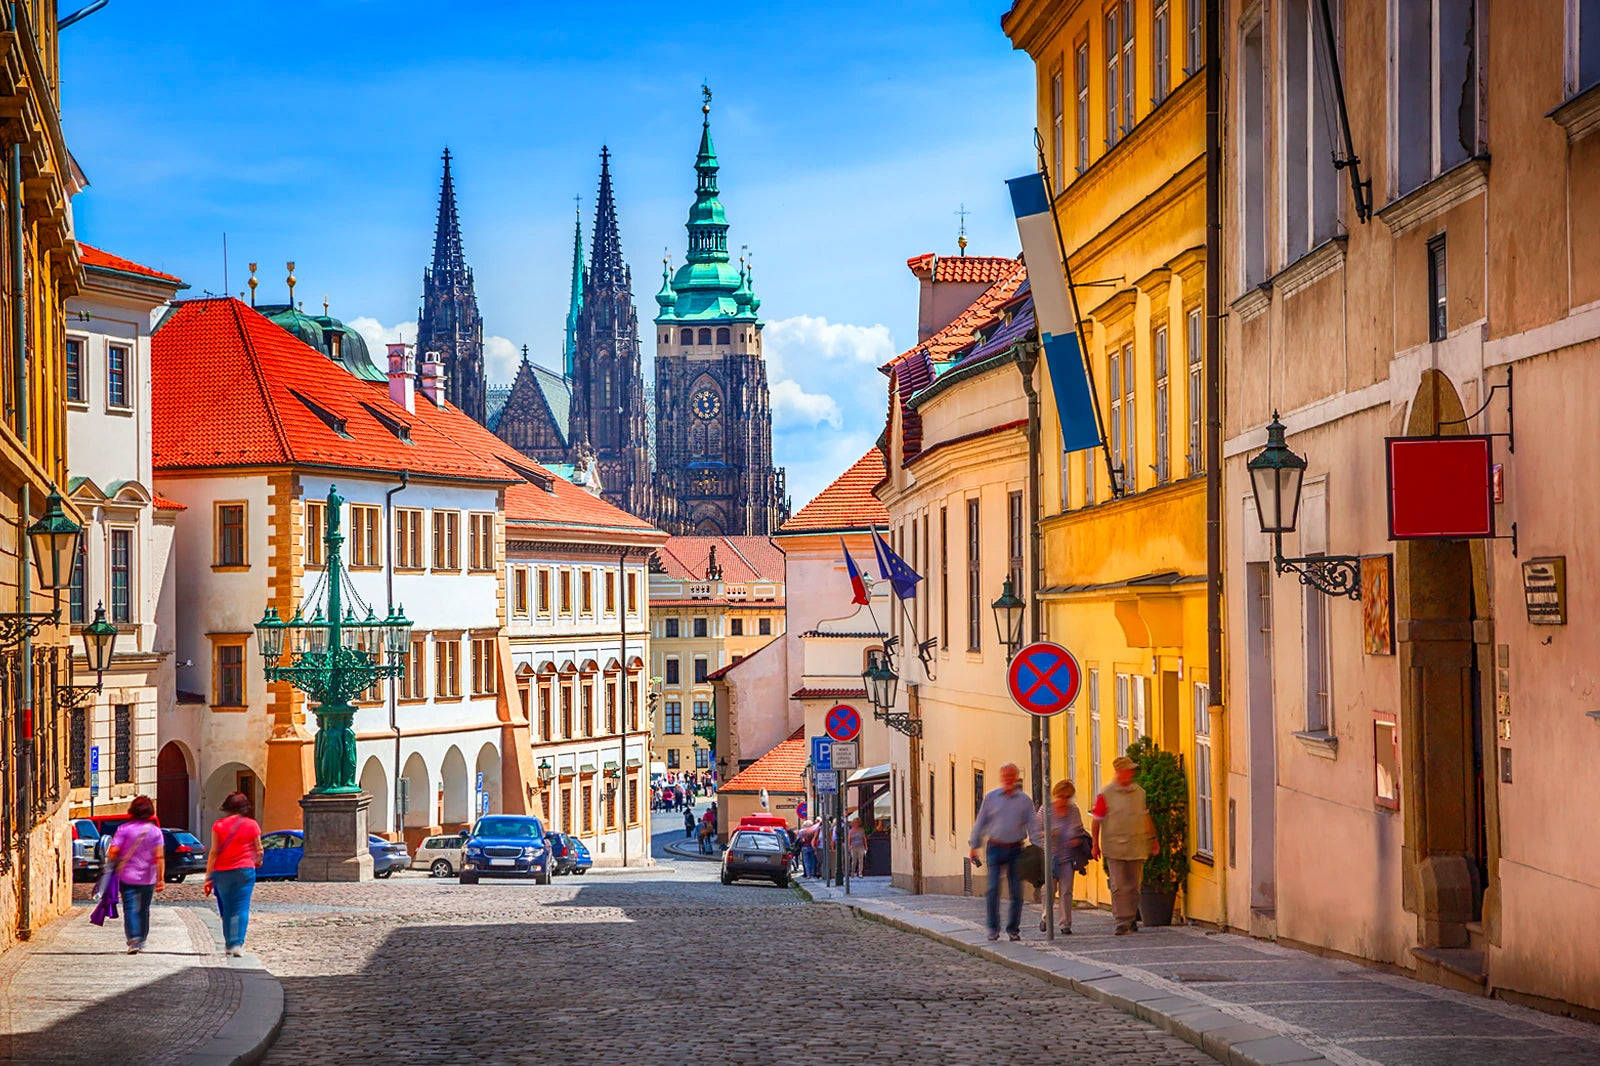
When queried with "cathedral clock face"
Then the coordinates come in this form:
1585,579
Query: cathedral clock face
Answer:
706,404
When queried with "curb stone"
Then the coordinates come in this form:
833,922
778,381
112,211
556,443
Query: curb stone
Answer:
1222,1036
245,1037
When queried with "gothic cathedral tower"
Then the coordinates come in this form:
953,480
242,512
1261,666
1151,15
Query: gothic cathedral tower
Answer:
448,322
608,413
713,415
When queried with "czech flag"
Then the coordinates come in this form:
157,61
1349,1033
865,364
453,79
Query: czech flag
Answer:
857,586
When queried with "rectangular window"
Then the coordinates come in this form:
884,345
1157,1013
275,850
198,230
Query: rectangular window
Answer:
519,591
408,545
1015,530
1315,608
977,792
566,712
228,683
611,706
586,592
736,627
316,533
699,669
673,722
116,375
1252,148
78,748
974,588
633,799
944,577
1072,744
1090,474
1583,45
671,629
1196,397
1094,732
480,543
366,537
611,809
122,575
1438,312
700,627
483,664
586,709
415,686
633,593
1080,64
1114,361
611,593
75,591
672,758
1127,67
1386,761
1058,122
932,821
1204,816
544,711
1194,49
763,627
446,540
564,587
1113,45
447,667
74,370
542,590
1130,426
1163,459
1124,705
1310,181
566,809
1161,49
632,691
588,808
671,674
702,759
1436,83
702,713
230,534
122,743
952,798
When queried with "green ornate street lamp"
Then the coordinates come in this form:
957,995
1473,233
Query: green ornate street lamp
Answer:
333,657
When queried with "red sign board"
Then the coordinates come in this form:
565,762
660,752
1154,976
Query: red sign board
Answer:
843,723
1440,487
1044,678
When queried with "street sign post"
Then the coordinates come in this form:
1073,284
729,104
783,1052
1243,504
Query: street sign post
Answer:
483,803
827,781
1044,679
821,753
847,755
843,722
94,776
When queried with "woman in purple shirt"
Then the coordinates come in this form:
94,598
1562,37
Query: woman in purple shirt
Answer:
138,853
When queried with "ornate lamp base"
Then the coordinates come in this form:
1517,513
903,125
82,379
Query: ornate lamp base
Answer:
335,750
336,837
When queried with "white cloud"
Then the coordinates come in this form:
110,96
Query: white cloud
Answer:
803,339
500,356
500,359
795,408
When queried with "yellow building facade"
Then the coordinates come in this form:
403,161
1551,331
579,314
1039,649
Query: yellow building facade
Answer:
1121,110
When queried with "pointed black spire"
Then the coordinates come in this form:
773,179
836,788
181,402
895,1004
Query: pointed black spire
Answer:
607,270
449,262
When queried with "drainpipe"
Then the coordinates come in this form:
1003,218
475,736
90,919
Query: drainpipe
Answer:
388,583
19,346
1213,442
627,688
1027,362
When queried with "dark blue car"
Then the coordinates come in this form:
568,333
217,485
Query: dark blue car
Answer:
281,853
506,845
581,859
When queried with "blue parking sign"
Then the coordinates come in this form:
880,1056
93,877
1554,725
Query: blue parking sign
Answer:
94,769
821,753
483,803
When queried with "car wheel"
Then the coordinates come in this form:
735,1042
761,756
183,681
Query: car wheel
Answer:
383,873
468,878
440,868
727,880
543,877
581,870
782,881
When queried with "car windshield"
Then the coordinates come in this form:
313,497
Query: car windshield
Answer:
756,842
510,828
180,837
86,829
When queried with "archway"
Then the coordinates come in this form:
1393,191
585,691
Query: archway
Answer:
418,799
1445,636
489,767
455,790
225,779
173,777
375,783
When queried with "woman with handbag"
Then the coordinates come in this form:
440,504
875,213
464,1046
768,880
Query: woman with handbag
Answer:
138,857
1069,846
231,867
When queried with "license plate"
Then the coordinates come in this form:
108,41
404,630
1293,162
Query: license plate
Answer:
757,858
502,862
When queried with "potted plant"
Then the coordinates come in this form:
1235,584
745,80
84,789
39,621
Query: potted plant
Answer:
1166,796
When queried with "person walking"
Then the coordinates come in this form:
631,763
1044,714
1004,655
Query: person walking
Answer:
688,824
231,867
138,854
1004,820
808,847
1070,847
856,840
1125,837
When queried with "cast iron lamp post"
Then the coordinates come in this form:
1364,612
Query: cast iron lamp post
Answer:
99,639
334,657
881,683
1008,611
1276,475
54,541
547,773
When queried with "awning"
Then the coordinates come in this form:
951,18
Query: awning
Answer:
869,774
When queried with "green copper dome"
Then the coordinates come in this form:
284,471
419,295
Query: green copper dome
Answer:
352,349
666,297
305,327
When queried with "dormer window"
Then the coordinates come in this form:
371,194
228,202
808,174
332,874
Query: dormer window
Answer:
401,430
328,418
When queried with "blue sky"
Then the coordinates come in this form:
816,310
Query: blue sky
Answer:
848,133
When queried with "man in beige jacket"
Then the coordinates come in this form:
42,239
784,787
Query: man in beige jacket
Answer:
1124,834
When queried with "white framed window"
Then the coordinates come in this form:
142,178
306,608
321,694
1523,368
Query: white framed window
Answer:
1163,445
1113,45
1094,732
1127,67
1195,328
1130,426
1583,45
1114,364
1161,51
1435,88
1204,835
1194,49
1058,131
1310,184
1072,744
1124,702
1315,628
1141,702
1252,149
1080,64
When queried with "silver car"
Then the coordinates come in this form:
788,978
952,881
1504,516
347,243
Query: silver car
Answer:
85,850
440,856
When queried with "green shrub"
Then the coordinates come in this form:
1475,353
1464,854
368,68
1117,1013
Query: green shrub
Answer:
1166,794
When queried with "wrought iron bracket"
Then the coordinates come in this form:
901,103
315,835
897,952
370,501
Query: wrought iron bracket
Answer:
901,721
77,695
1332,575
15,627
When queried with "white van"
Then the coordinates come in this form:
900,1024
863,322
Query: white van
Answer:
440,856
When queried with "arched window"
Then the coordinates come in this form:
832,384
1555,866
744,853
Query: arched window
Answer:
686,337
705,336
724,335
697,441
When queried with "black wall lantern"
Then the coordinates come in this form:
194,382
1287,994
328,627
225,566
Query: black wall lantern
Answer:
1276,475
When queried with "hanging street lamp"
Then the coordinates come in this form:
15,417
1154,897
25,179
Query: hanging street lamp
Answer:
881,682
54,541
1008,611
1276,476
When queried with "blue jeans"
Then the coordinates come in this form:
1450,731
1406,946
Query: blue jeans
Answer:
808,858
233,889
136,911
1005,856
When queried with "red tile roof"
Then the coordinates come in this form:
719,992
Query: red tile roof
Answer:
848,503
95,257
164,504
961,268
741,558
782,769
828,694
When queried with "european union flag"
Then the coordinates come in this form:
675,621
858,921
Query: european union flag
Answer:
901,577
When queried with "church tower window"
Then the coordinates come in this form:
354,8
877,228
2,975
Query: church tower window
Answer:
724,335
687,337
705,336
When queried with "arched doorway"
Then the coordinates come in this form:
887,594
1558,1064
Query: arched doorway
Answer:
419,796
489,767
455,790
1445,637
225,779
375,783
172,786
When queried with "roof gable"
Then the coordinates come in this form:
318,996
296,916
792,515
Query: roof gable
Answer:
847,503
780,770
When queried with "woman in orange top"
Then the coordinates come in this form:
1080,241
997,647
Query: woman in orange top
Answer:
231,867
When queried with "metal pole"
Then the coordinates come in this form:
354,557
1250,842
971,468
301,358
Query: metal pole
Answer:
394,706
1213,391
622,725
19,343
1028,362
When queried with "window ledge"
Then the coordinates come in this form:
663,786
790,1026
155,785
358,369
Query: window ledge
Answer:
218,568
1321,261
223,708
1580,115
1253,302
1434,197
1203,859
1323,745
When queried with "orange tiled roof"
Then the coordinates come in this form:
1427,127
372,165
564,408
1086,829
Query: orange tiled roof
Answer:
961,268
848,503
741,558
958,334
96,257
164,504
780,770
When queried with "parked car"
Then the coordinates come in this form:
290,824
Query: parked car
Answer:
106,825
562,853
509,845
86,859
282,850
756,853
185,855
581,859
440,856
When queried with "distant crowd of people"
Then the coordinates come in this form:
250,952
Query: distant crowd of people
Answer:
681,792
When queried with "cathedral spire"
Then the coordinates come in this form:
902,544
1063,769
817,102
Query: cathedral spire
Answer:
607,270
575,302
449,262
708,226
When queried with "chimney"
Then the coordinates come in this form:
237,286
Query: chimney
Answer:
433,378
403,376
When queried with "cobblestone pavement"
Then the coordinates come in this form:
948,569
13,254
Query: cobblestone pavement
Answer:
669,964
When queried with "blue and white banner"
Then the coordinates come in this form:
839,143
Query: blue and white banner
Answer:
1052,309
